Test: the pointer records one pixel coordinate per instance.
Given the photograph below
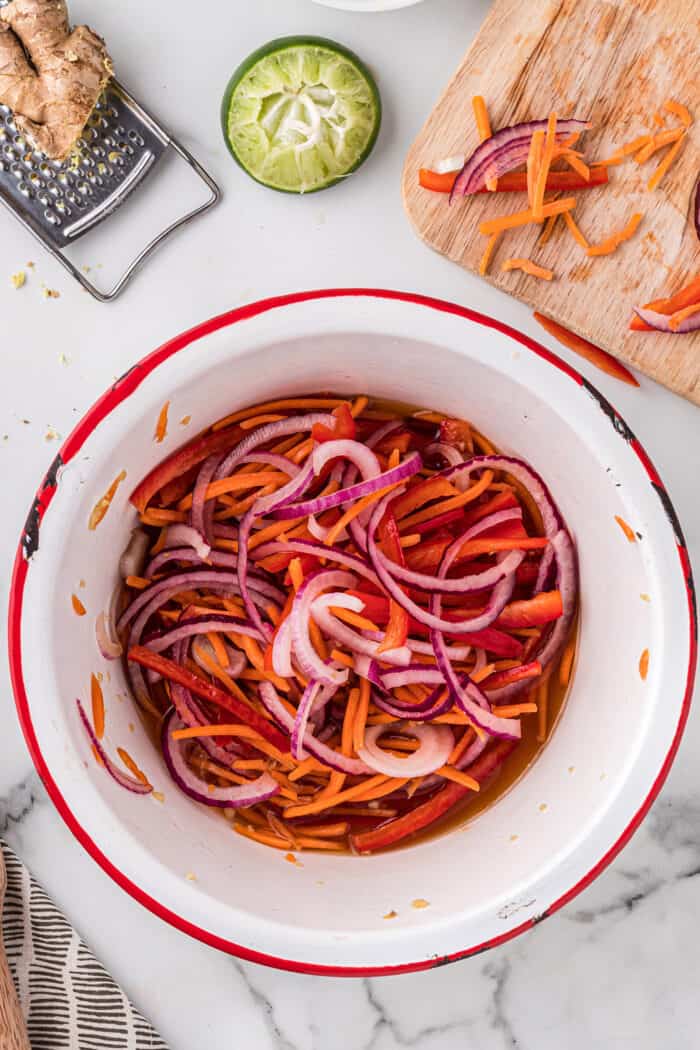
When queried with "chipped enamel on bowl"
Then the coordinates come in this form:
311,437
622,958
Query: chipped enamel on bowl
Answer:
534,848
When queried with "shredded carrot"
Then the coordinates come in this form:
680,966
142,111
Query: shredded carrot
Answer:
317,639
548,229
513,710
534,162
237,483
257,421
162,423
469,496
675,320
219,648
483,126
567,663
218,672
523,218
352,512
610,244
98,707
528,267
488,253
368,790
359,405
78,607
627,529
665,164
342,658
267,838
449,773
574,161
103,504
644,665
575,230
321,404
664,138
296,573
161,516
680,111
542,705
362,709
131,766
543,170
309,765
353,618
326,831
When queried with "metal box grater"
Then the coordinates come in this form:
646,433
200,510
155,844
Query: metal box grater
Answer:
61,201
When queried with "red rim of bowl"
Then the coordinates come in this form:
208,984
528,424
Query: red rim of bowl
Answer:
118,393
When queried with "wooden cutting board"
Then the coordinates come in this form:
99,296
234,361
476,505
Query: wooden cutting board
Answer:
613,62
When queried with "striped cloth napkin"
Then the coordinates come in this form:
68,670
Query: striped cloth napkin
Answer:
68,999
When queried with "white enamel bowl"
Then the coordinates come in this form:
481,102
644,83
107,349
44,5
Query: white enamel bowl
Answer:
553,831
367,5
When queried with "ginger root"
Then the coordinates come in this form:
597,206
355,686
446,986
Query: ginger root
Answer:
49,76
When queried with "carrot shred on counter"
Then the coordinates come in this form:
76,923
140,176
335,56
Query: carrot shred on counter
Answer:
644,665
78,607
680,111
600,358
543,170
665,164
528,267
104,503
523,218
613,242
575,230
98,707
162,423
627,529
488,253
679,316
131,766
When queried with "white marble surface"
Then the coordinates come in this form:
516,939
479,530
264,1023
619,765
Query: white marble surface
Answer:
620,966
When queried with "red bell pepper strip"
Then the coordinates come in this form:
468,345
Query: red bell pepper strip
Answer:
600,358
512,674
427,813
426,557
181,460
501,501
440,521
456,433
543,608
376,608
175,673
344,426
400,439
516,181
397,628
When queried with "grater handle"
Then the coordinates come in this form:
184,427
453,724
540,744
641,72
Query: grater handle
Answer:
212,199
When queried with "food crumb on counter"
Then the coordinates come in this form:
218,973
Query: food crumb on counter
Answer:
293,860
51,434
420,902
185,421
645,597
158,796
18,279
50,293
191,877
30,265
514,838
571,769
63,359
543,807
390,914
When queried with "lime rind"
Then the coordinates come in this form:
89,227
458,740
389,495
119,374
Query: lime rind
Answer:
301,114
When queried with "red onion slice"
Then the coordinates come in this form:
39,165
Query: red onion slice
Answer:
219,559
414,674
201,516
436,743
272,432
319,532
196,625
324,754
180,535
661,322
341,632
109,648
258,790
351,561
302,718
282,650
123,779
406,469
449,453
523,473
497,601
134,555
439,702
461,585
311,664
504,151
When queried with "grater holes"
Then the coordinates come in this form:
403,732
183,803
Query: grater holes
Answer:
53,188
137,139
43,197
25,189
16,169
126,148
63,208
52,217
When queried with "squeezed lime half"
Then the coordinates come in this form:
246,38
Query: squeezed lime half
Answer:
301,113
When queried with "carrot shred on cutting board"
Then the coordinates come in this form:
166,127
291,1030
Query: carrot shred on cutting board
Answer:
522,218
680,111
528,267
665,164
488,253
627,529
664,138
483,126
545,165
162,423
575,230
574,161
687,296
548,229
624,151
600,358
613,242
534,160
680,315
98,707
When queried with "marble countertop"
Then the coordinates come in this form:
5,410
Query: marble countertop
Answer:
619,967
